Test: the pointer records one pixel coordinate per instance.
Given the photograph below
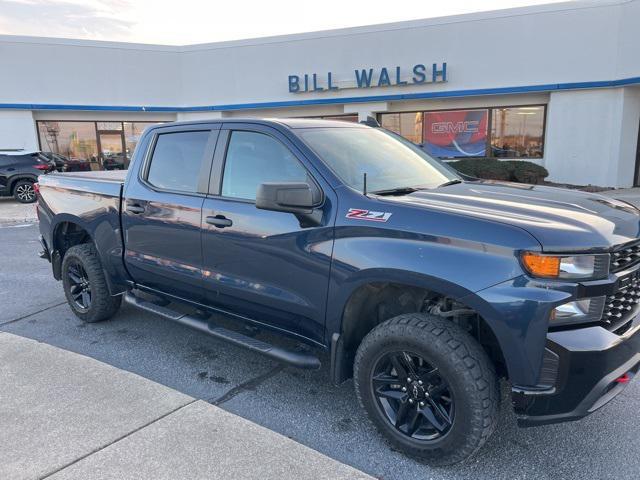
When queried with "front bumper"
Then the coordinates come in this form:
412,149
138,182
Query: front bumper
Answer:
590,364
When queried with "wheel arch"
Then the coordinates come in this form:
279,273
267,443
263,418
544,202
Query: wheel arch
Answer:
66,231
379,298
14,180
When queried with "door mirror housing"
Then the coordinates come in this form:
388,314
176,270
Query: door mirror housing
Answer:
293,197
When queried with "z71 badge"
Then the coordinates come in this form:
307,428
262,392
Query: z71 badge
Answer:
361,214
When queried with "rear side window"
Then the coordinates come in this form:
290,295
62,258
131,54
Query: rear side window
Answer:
177,161
255,158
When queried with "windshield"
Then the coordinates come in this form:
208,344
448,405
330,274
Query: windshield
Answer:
389,163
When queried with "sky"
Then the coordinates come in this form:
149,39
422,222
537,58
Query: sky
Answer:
185,22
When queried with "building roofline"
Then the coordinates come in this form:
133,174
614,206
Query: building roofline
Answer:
376,28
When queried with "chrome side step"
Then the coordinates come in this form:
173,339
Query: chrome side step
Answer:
303,360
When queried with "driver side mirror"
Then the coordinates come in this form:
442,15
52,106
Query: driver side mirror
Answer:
299,198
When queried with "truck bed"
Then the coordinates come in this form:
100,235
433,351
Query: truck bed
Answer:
116,176
104,183
91,201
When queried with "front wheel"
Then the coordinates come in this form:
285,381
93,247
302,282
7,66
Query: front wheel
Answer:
428,387
85,285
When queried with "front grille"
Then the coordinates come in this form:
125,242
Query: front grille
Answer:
620,307
625,256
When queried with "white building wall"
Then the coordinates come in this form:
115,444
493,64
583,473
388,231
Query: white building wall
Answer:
628,32
68,72
628,142
591,136
547,45
17,130
543,45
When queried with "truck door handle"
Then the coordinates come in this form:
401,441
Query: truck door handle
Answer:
134,208
219,221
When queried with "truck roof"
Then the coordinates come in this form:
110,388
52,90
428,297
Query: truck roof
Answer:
292,123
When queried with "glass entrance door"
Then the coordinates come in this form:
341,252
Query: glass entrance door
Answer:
111,151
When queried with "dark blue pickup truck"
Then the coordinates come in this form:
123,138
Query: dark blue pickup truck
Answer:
423,286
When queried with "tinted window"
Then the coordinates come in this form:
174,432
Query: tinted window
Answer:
255,158
177,160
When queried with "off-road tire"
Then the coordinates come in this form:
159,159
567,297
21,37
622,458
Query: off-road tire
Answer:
24,192
103,305
462,362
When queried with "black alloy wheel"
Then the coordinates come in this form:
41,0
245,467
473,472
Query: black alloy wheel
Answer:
85,285
413,395
79,286
428,387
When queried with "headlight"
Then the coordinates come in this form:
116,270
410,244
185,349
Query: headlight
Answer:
573,267
586,310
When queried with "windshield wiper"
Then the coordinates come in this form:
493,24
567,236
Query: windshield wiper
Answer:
396,191
450,182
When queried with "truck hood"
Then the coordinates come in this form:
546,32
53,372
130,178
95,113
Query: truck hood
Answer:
560,219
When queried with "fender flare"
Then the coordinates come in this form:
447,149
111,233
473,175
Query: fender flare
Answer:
339,352
386,275
115,275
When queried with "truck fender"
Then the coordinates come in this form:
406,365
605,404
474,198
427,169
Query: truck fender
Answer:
107,243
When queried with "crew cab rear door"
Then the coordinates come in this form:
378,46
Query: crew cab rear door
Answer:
259,264
162,207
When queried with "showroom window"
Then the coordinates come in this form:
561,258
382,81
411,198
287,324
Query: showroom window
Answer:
409,125
499,132
517,132
88,145
75,142
342,118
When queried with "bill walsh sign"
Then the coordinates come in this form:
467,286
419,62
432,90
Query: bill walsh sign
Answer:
369,78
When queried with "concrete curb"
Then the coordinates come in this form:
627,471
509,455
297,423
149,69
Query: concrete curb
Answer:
67,416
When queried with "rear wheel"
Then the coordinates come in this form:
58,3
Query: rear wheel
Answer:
24,192
428,387
85,286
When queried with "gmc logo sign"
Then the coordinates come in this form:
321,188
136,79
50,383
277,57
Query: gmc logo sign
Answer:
468,126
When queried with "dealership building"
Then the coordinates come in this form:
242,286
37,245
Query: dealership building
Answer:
558,85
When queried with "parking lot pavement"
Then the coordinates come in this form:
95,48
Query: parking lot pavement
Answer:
12,211
67,416
25,283
303,405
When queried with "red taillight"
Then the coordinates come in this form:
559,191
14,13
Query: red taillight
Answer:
626,378
42,167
